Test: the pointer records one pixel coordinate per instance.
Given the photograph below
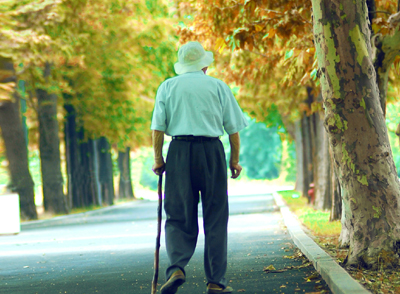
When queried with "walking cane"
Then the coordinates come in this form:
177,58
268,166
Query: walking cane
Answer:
157,252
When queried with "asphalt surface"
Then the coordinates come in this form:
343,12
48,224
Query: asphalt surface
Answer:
112,251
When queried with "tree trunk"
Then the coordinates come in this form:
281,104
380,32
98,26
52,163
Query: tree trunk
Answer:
49,146
125,182
72,156
87,184
357,132
307,155
106,171
94,179
15,144
322,163
96,173
336,195
300,174
81,154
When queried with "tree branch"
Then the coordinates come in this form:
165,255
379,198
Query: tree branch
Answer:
380,11
394,19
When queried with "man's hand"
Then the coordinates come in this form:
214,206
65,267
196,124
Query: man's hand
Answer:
234,165
236,168
159,167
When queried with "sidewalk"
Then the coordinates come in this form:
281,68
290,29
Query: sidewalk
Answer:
338,280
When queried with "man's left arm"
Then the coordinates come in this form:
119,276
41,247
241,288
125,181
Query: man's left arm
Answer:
158,142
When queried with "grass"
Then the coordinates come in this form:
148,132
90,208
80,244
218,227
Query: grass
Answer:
316,221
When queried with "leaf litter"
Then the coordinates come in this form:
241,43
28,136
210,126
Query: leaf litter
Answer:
313,277
381,281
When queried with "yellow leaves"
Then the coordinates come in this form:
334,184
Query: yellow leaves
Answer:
6,90
313,276
258,27
270,13
269,268
254,27
271,33
220,45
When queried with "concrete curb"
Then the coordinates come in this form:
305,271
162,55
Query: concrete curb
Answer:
74,217
338,280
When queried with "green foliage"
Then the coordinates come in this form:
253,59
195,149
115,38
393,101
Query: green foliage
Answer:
392,120
108,58
147,178
260,152
4,178
317,221
290,163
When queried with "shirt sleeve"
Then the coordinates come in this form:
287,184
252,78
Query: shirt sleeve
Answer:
233,118
159,119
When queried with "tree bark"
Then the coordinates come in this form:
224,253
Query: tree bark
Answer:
72,156
82,159
357,132
106,171
125,183
87,185
307,155
336,194
322,170
300,174
49,146
15,145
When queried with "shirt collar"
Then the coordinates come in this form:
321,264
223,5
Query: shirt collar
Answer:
199,72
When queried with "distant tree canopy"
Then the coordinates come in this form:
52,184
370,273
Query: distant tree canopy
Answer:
107,58
93,67
261,151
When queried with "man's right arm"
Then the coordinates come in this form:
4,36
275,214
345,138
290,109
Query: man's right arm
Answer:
234,140
159,164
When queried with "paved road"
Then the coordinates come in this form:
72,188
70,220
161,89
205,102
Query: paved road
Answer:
112,250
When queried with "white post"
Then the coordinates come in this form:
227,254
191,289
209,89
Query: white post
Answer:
9,214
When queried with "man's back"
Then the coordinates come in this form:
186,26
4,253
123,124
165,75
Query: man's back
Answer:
196,104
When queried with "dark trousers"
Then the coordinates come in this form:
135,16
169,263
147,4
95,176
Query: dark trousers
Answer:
194,168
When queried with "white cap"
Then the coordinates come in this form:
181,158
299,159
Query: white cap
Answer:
192,57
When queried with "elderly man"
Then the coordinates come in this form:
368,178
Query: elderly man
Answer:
195,109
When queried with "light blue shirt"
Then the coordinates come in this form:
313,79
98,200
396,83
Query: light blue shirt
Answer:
196,104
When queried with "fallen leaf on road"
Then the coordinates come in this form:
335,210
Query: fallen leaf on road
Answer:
241,290
269,268
314,276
